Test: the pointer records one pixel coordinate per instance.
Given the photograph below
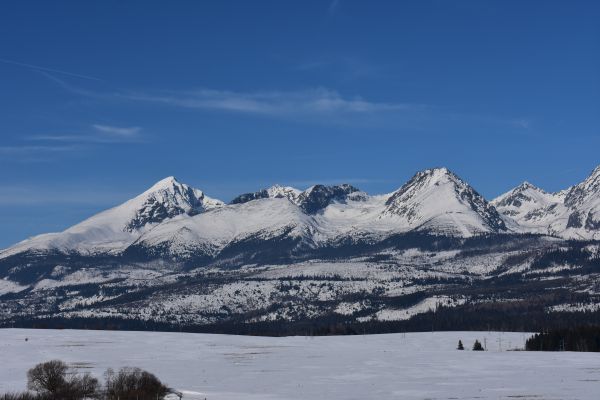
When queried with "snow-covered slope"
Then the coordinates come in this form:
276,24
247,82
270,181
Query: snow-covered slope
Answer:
573,213
530,209
210,232
435,200
274,192
583,204
312,200
439,201
113,230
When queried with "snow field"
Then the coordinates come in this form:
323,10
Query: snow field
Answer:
407,366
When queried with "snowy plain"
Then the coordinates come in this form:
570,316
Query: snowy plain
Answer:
393,366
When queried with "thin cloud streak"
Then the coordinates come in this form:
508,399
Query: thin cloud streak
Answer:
118,131
320,105
44,69
102,134
309,102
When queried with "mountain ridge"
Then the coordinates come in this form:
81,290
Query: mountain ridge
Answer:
434,200
174,258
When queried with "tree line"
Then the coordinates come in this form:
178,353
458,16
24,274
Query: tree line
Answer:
580,338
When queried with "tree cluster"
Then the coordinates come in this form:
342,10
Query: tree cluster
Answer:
54,380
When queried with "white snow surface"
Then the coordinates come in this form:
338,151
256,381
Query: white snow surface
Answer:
213,230
428,304
407,366
7,286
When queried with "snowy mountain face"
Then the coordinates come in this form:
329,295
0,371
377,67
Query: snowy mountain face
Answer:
274,192
111,231
529,208
177,219
572,213
437,200
173,255
318,197
167,199
583,203
312,200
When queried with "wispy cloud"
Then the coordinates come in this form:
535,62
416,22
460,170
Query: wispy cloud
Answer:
50,147
312,103
317,105
99,134
318,101
45,69
117,130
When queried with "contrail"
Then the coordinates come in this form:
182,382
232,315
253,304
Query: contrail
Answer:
37,67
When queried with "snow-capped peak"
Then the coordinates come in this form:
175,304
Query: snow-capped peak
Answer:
165,183
166,199
278,191
572,213
112,230
318,197
438,200
529,208
274,192
311,200
524,193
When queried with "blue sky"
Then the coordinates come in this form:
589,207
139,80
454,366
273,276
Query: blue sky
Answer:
99,100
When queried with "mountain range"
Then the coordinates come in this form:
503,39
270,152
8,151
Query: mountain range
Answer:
174,240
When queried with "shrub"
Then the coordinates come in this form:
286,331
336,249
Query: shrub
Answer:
133,384
81,387
52,380
48,377
460,345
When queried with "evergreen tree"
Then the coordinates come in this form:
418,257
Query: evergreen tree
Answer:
460,345
477,346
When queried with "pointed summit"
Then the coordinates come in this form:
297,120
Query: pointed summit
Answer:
168,198
438,200
526,185
167,182
524,193
116,228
